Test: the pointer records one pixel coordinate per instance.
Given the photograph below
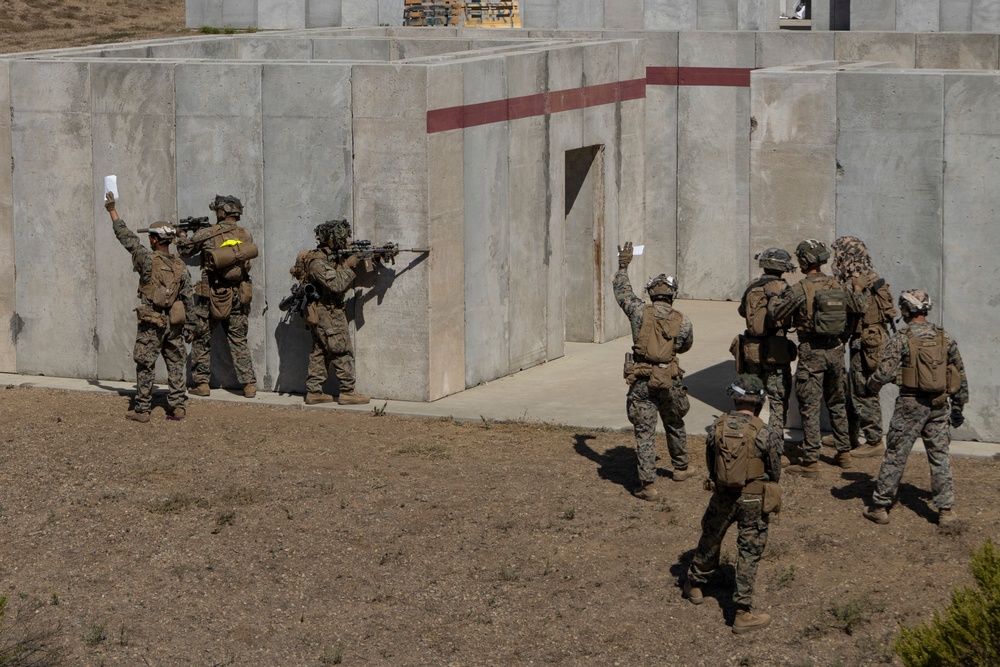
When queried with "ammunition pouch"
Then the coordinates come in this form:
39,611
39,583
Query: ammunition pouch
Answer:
779,351
753,349
149,315
245,293
177,314
772,498
312,313
661,376
873,339
736,349
220,303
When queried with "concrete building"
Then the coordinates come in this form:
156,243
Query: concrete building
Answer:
521,157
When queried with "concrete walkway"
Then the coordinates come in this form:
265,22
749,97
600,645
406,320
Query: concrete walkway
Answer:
582,389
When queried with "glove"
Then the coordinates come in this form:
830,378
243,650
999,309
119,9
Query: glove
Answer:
625,255
352,261
708,485
109,202
956,418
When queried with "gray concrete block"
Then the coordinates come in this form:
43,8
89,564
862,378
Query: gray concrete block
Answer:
716,49
793,159
985,16
359,12
274,49
334,48
897,48
403,49
8,351
220,151
281,14
968,305
581,15
623,14
390,92
540,14
198,13
239,13
717,15
390,12
758,15
789,47
49,145
216,49
133,137
957,51
306,121
323,13
873,15
890,152
919,15
670,15
958,17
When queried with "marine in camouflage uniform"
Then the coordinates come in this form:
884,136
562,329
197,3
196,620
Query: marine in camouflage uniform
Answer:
155,334
777,377
917,413
743,506
852,263
331,275
645,402
228,210
820,374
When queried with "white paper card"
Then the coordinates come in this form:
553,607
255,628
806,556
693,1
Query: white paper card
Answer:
637,250
111,185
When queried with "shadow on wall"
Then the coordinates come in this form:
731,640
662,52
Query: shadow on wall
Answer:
294,341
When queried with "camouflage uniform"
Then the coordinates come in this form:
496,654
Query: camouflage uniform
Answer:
915,415
730,505
864,412
645,403
331,336
777,379
236,325
151,338
820,374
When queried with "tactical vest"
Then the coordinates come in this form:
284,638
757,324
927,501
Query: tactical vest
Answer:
826,308
164,280
238,272
754,302
655,342
928,370
736,463
300,271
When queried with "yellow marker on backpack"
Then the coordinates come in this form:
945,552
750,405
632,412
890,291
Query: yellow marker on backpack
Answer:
231,242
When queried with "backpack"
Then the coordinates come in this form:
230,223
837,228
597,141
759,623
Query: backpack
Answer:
164,280
754,303
826,307
655,342
928,370
736,460
880,309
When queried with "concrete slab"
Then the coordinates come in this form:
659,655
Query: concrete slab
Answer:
8,351
670,15
623,14
239,13
919,15
359,13
717,15
350,48
758,15
953,51
274,49
874,15
792,47
589,375
897,48
281,14
323,13
985,16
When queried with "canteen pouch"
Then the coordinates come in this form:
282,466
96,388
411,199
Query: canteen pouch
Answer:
177,313
220,303
771,503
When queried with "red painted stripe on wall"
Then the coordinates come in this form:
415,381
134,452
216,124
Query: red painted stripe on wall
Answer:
699,76
540,104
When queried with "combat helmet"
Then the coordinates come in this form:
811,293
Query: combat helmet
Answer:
915,302
662,287
339,230
812,252
164,230
775,259
746,388
228,204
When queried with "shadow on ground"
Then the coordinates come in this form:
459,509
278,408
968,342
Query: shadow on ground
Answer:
616,465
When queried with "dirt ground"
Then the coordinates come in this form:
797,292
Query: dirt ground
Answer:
249,535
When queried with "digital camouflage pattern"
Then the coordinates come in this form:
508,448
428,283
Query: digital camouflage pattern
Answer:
151,340
820,374
914,416
331,336
728,506
237,324
645,404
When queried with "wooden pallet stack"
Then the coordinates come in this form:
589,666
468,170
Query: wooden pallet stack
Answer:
454,13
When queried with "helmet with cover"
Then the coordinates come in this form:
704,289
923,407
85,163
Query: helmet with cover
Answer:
775,259
163,230
228,204
746,388
662,288
811,252
337,230
915,302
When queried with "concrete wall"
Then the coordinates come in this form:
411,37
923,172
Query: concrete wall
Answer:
917,16
292,14
882,176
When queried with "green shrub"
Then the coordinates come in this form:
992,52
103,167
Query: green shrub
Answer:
967,633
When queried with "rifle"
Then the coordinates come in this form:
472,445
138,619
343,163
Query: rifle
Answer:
364,250
302,295
188,224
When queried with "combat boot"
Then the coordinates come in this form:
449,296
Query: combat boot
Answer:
141,417
946,516
877,514
200,390
844,460
250,390
804,469
352,398
693,593
747,620
646,491
681,475
313,398
178,414
828,441
864,451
